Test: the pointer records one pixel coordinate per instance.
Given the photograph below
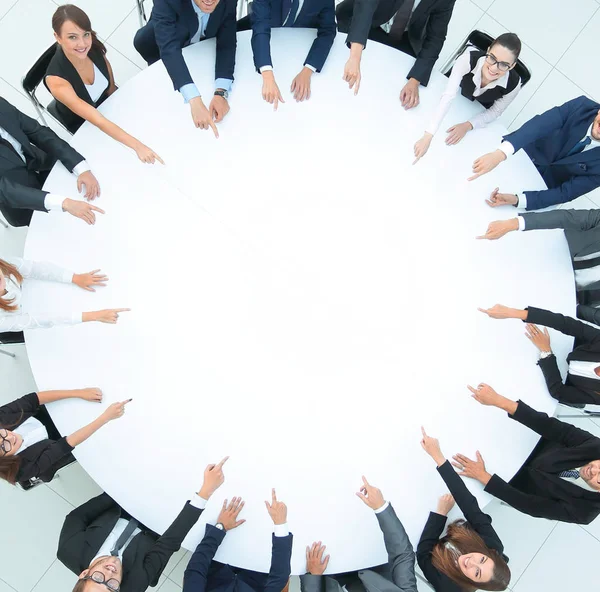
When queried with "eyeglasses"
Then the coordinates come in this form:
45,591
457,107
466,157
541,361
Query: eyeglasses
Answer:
99,578
5,445
493,61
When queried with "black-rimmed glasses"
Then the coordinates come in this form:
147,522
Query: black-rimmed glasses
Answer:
98,577
492,60
5,445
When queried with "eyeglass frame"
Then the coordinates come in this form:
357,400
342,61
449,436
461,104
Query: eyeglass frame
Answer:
497,62
104,581
5,440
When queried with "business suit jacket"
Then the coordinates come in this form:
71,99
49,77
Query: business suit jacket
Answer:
172,25
86,528
478,520
20,186
547,139
203,574
427,27
314,14
537,489
397,576
44,458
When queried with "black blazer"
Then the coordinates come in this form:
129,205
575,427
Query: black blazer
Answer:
481,523
60,66
575,389
427,28
86,528
19,184
537,489
42,459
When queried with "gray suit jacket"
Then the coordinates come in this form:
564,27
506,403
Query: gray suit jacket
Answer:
397,576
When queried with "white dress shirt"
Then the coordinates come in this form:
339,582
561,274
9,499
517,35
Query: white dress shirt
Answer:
32,431
509,150
584,369
18,320
461,68
99,85
579,482
387,26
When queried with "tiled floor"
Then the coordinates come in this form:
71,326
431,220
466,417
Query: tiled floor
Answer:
560,51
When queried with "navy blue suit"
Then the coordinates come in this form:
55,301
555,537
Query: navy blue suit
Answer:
172,25
205,575
547,139
314,14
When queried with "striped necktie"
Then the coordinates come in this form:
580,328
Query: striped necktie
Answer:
574,474
580,146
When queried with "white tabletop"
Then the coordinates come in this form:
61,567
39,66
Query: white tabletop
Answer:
303,300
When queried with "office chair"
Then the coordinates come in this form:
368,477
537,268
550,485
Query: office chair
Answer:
141,12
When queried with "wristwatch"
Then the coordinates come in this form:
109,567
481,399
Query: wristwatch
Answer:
221,93
220,526
545,354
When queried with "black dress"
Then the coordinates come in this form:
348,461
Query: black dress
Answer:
480,522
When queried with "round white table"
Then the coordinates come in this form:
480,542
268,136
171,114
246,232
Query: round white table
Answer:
303,300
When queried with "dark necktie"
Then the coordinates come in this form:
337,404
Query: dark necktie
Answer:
292,15
574,474
579,147
401,20
6,143
131,526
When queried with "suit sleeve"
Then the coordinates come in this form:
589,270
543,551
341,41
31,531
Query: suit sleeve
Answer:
37,466
435,35
226,44
566,325
401,557
588,313
568,191
545,124
196,573
360,24
261,33
311,583
326,32
565,219
16,195
16,412
558,389
429,539
280,571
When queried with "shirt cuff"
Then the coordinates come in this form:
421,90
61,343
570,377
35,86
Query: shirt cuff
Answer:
198,502
521,200
82,167
189,91
383,508
310,67
224,83
265,69
76,318
281,530
53,201
507,148
521,222
67,277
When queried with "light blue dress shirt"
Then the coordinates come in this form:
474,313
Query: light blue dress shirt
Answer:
190,91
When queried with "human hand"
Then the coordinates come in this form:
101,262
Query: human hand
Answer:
445,504
352,74
501,199
229,513
114,411
92,187
87,281
432,447
499,311
219,107
409,95
201,116
457,132
484,164
316,564
90,394
270,90
108,315
277,510
474,469
499,228
81,209
213,479
370,495
485,395
541,339
422,146
301,85
147,155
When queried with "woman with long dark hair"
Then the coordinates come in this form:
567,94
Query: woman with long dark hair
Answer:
80,78
30,444
470,556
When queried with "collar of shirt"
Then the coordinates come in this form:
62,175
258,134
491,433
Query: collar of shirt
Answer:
594,143
6,136
113,537
503,81
32,431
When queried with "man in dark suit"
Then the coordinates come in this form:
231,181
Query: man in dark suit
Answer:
397,575
313,14
110,550
561,478
416,27
203,574
563,144
175,24
28,151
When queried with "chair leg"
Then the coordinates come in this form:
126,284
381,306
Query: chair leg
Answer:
4,223
6,353
141,13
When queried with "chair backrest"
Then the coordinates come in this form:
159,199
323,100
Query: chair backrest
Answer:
36,73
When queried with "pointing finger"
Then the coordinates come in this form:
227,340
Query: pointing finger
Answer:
273,495
223,462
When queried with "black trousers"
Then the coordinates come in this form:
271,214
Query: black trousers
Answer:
144,42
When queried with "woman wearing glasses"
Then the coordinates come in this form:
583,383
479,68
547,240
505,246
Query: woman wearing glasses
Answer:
30,444
488,78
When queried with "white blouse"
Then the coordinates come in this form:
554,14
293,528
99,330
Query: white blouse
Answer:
99,85
32,431
18,320
461,68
